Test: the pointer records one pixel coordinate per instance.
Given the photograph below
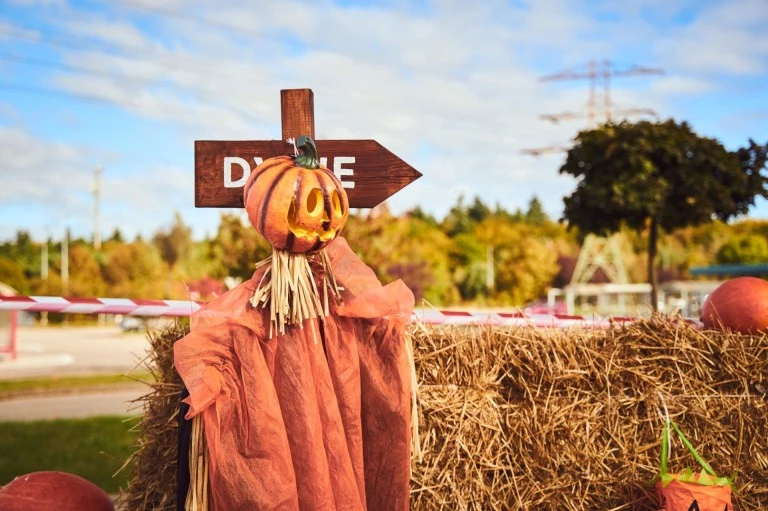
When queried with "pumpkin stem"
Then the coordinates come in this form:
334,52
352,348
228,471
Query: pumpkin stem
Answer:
308,157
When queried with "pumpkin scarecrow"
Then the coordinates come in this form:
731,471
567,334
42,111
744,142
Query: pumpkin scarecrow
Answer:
299,379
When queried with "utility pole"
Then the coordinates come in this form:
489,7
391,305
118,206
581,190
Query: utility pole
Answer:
65,263
490,277
44,261
96,199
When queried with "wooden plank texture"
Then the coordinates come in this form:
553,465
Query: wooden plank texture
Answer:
297,110
375,172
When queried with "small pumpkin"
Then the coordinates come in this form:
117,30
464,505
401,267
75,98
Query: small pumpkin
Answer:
739,304
294,202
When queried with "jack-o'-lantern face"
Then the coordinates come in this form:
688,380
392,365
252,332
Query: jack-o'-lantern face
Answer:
295,203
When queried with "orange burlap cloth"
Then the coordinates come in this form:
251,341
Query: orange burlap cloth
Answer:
303,421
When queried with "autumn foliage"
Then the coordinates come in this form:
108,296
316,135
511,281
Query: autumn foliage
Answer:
475,255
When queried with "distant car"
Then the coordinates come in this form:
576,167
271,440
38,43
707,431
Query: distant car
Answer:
542,307
132,324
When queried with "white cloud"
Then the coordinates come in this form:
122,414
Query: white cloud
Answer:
39,171
727,38
677,85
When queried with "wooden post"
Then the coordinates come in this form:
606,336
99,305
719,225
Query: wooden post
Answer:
297,111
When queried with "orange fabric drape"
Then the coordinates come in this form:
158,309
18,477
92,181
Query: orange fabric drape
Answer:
303,421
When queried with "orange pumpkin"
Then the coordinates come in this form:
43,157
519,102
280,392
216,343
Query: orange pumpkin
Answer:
739,304
294,202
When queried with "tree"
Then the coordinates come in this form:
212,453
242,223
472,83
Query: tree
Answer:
658,176
536,214
84,272
175,243
134,270
12,274
524,264
744,249
237,248
117,236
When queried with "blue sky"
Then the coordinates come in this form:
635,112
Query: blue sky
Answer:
451,87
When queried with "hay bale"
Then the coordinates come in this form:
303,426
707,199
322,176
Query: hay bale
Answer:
153,485
543,419
548,419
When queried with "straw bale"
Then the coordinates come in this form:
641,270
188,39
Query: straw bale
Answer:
153,464
536,419
577,410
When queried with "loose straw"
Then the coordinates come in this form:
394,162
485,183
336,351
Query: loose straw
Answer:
197,494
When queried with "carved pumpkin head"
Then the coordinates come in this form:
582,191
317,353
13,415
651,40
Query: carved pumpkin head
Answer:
294,202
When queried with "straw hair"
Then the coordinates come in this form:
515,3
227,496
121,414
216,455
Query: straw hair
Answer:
287,288
528,419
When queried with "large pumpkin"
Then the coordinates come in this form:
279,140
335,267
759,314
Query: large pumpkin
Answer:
739,304
294,202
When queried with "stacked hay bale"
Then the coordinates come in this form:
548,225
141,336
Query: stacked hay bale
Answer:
545,419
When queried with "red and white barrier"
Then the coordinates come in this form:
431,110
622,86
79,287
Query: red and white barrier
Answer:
511,319
126,306
137,307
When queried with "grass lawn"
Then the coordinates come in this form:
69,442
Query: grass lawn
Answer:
93,448
30,386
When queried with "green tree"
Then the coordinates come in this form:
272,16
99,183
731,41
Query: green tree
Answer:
468,258
117,236
420,214
410,249
524,264
84,272
135,270
174,243
457,220
478,211
12,274
658,176
25,253
536,214
744,249
237,248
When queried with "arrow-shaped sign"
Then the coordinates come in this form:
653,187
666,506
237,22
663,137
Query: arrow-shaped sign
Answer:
369,172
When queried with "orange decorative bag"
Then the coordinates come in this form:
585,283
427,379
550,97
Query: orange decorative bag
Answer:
690,491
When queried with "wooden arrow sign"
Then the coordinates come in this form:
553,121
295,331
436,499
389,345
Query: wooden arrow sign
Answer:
369,172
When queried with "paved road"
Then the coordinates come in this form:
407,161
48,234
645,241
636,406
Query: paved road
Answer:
71,350
60,351
72,406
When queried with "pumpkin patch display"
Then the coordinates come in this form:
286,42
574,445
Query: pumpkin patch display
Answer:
299,379
739,304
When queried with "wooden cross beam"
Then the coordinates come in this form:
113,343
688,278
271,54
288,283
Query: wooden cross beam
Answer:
369,172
